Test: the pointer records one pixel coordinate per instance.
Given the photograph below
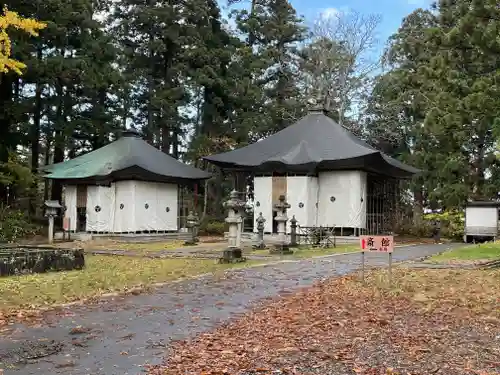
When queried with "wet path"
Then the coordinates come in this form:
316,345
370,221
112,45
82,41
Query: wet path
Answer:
118,337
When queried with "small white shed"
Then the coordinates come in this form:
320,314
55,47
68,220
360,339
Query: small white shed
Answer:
481,220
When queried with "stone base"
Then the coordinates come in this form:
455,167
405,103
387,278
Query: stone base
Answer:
232,255
281,249
259,246
191,243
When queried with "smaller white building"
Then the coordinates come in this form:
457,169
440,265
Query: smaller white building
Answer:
481,220
127,186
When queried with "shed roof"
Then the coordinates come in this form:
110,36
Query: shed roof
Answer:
483,204
316,142
128,158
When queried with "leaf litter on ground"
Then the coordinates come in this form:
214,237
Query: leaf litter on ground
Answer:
427,322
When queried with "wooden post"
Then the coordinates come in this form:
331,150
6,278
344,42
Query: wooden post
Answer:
390,269
363,267
195,197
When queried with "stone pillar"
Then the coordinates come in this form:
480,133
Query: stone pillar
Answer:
192,225
260,232
51,229
293,232
234,207
281,218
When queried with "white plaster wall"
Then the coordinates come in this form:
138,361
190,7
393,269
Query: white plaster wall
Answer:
144,217
134,216
302,189
167,196
104,197
158,197
124,217
481,220
349,208
263,190
70,203
312,211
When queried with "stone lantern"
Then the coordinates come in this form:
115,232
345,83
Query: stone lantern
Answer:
192,223
281,218
260,232
51,211
235,208
293,231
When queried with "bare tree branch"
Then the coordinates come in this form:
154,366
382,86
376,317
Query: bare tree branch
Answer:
341,59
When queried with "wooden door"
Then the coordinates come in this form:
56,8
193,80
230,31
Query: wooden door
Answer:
81,196
81,208
279,188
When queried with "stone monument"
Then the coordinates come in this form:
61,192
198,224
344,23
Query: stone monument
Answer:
192,223
282,246
51,211
260,232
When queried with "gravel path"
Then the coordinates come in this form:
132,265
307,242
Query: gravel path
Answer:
118,337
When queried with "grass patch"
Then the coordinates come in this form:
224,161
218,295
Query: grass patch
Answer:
137,246
470,253
102,274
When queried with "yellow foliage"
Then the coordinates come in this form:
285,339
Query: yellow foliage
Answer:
12,19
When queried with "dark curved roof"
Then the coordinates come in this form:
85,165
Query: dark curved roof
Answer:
314,143
128,158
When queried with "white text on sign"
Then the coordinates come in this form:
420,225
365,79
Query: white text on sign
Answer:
384,244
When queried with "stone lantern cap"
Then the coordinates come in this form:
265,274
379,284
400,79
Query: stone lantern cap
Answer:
235,202
52,207
191,219
282,205
52,204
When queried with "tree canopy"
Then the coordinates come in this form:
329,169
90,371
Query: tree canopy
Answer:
196,82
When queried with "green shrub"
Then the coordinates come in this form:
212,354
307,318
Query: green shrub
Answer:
14,225
215,228
420,230
452,223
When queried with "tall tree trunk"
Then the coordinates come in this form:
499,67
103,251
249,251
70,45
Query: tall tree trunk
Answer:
175,144
35,137
48,147
418,207
6,122
150,127
59,140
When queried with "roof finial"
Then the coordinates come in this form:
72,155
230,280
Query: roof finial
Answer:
131,133
317,103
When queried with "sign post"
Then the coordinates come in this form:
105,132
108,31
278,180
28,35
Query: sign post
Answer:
379,244
363,266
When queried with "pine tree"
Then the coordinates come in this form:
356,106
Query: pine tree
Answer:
439,99
154,36
273,33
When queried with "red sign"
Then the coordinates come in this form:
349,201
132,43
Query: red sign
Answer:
384,244
66,222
